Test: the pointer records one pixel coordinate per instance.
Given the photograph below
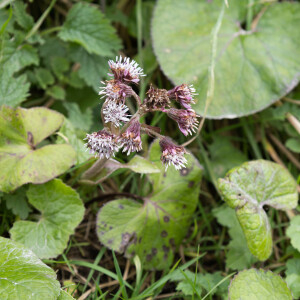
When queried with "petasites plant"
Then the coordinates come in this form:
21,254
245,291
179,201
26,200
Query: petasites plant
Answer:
21,156
24,276
62,210
247,189
258,284
154,228
121,131
252,68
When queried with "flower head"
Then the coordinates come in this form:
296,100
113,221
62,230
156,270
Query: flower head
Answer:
126,70
130,140
157,98
102,144
186,119
115,113
184,94
172,154
115,90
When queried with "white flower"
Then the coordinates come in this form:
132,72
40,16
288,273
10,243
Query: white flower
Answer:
172,154
102,144
115,113
125,70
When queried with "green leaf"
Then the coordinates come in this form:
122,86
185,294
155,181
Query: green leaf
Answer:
93,68
59,66
62,210
21,130
252,70
153,229
247,189
13,91
23,275
256,284
57,92
44,77
191,282
68,131
293,144
293,232
238,256
17,203
87,26
79,119
16,57
23,19
293,276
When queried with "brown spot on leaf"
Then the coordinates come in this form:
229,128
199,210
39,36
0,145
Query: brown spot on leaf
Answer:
110,241
154,251
191,184
121,206
172,242
166,219
164,234
166,249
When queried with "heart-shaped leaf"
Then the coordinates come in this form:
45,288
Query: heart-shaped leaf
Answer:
62,210
256,284
23,275
252,68
247,189
153,229
21,130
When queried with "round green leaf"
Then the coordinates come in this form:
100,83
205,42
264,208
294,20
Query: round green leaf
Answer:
252,68
256,284
23,275
21,130
153,229
247,189
62,210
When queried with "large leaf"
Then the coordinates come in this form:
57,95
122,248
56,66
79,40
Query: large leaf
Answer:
251,186
256,284
62,210
153,229
252,69
23,275
21,130
87,26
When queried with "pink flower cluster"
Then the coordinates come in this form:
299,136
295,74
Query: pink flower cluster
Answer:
122,132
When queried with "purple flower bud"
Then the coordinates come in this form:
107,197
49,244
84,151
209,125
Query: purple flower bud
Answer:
126,70
102,144
186,119
130,140
115,90
183,94
172,154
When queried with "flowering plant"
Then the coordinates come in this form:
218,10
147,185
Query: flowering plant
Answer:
121,131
